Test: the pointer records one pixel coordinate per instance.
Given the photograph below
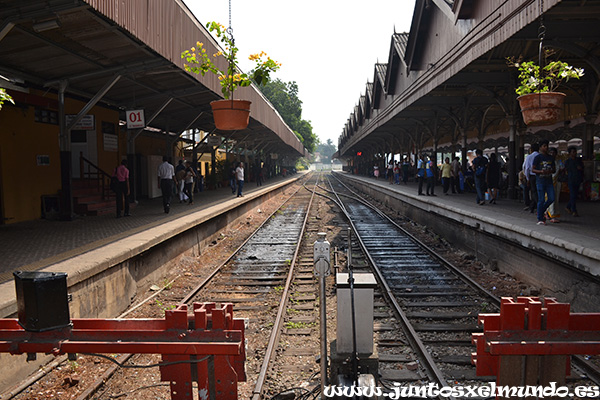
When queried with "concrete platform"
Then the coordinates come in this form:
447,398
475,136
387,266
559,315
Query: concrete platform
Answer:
108,260
505,235
89,245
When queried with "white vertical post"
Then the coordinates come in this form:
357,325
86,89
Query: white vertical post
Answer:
321,259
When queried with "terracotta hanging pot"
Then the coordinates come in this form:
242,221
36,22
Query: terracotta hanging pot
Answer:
231,115
539,109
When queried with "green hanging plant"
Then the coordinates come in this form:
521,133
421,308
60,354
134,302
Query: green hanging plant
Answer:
5,97
199,62
554,73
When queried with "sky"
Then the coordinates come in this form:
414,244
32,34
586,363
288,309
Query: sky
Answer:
328,47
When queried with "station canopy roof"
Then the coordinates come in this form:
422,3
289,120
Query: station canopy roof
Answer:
134,46
473,87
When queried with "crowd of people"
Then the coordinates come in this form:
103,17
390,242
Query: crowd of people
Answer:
182,182
542,175
449,174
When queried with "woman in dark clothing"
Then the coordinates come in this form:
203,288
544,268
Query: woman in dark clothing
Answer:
493,177
574,167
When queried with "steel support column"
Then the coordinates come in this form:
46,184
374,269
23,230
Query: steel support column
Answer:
513,182
66,198
588,137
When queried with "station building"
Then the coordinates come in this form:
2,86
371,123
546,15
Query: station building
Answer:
447,87
77,69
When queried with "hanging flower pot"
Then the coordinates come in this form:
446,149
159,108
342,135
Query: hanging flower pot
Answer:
539,101
544,108
228,114
231,115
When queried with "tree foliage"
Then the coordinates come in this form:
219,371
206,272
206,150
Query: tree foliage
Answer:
284,97
326,150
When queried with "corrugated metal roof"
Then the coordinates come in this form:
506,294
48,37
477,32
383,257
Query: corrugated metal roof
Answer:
140,40
380,72
472,70
400,43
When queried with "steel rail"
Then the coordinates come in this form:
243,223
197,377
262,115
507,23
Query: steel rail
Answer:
464,277
277,325
434,373
590,370
217,269
186,300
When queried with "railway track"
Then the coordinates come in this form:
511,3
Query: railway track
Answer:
256,278
425,308
432,300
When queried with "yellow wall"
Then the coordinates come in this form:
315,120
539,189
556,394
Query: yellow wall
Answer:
22,181
22,139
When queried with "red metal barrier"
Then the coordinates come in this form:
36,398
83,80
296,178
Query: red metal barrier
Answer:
198,347
530,341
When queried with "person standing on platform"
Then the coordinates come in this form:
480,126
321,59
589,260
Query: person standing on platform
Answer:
390,172
239,175
446,175
421,173
493,176
574,167
232,178
259,173
376,171
531,177
552,213
122,174
430,177
523,186
397,172
166,180
479,168
180,175
455,175
188,179
405,168
543,166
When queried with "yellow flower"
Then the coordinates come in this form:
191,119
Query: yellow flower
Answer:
193,49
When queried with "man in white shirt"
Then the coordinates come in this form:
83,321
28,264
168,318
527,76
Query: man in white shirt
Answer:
239,175
531,177
166,179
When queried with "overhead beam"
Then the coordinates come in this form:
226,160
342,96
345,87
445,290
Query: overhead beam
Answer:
5,28
158,111
93,101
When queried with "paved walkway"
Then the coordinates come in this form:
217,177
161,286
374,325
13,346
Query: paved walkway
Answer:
583,230
33,245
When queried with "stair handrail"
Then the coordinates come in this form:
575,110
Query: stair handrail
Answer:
102,177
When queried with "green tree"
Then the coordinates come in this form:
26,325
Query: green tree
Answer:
284,97
326,150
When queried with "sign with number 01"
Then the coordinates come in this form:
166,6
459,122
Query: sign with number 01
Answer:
135,119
